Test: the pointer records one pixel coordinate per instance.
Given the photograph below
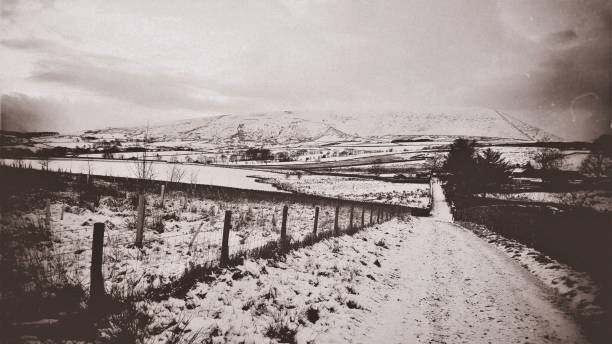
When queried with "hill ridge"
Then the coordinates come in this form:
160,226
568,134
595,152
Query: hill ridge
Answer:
282,127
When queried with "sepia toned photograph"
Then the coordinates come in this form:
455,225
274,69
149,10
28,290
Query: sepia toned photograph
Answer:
305,171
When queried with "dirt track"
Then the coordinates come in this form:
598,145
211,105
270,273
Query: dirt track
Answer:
445,285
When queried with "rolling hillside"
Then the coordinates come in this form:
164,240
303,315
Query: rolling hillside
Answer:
308,126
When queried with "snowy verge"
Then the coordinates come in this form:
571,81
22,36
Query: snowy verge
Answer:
578,289
299,298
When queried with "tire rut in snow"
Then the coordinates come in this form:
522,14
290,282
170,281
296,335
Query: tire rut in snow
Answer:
448,286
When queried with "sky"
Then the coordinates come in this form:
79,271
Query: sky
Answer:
70,65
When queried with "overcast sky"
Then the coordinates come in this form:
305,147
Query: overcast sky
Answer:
68,65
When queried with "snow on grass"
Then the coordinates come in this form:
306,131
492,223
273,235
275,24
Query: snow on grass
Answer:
522,155
406,194
301,297
597,199
186,231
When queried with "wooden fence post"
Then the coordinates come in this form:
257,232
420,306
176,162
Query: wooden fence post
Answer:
336,228
283,233
163,194
378,216
351,217
371,216
316,222
48,215
62,212
362,216
96,285
227,224
140,218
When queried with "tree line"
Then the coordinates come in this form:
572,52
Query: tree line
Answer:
468,171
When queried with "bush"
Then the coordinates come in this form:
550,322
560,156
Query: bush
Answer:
353,304
281,328
126,326
157,223
312,314
467,172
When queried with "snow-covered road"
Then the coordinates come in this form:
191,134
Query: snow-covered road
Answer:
448,286
440,209
443,284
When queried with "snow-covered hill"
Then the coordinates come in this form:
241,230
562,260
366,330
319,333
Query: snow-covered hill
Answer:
326,126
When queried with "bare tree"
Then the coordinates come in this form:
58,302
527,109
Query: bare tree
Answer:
175,172
193,178
599,162
435,163
44,163
549,159
18,161
89,170
597,165
143,169
575,198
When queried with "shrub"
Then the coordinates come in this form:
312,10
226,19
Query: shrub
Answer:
157,223
312,314
125,321
353,304
281,328
336,247
180,335
381,243
126,326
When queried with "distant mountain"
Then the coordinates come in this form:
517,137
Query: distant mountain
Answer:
317,126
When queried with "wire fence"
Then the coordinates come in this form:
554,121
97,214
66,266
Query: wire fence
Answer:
43,250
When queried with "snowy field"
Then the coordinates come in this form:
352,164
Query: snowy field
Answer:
201,174
186,231
522,155
405,194
600,200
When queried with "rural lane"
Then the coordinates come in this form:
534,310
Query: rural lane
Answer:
446,285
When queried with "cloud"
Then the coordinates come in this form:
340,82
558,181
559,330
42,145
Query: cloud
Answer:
20,112
26,44
7,8
117,78
12,8
153,90
560,37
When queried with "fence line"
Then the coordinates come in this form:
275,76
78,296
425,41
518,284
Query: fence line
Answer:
208,248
